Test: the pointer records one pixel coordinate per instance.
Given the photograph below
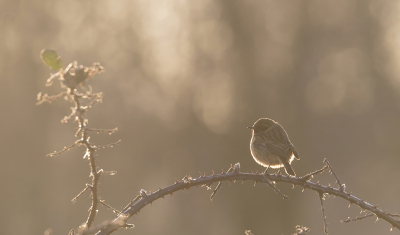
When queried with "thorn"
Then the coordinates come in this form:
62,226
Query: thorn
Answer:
159,189
213,172
204,174
200,174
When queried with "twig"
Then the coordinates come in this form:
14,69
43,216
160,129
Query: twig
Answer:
109,207
311,175
366,216
108,145
97,99
269,183
109,172
341,186
49,98
131,203
98,131
357,218
394,215
79,194
215,190
90,94
49,81
73,113
321,198
65,149
220,183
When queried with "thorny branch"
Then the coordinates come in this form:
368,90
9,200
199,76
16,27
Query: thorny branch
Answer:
145,199
79,111
70,78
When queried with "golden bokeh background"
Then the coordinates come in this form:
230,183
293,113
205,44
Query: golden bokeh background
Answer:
183,81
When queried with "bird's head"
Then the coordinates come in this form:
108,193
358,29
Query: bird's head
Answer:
262,125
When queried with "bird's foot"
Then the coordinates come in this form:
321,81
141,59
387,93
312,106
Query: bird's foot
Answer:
265,172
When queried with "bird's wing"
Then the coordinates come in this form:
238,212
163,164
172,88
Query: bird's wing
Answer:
295,153
278,149
285,142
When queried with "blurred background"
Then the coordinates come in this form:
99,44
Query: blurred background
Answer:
183,80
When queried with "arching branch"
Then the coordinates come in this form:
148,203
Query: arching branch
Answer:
145,198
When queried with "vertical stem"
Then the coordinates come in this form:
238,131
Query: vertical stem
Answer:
90,154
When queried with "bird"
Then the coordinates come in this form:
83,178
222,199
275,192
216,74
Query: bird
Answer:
270,146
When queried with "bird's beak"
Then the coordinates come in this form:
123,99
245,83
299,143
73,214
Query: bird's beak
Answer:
250,127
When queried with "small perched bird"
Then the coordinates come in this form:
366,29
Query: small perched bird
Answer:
271,147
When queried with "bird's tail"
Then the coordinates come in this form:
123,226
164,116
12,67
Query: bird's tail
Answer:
289,169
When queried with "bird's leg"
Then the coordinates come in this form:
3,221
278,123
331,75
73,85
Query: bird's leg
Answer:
265,172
